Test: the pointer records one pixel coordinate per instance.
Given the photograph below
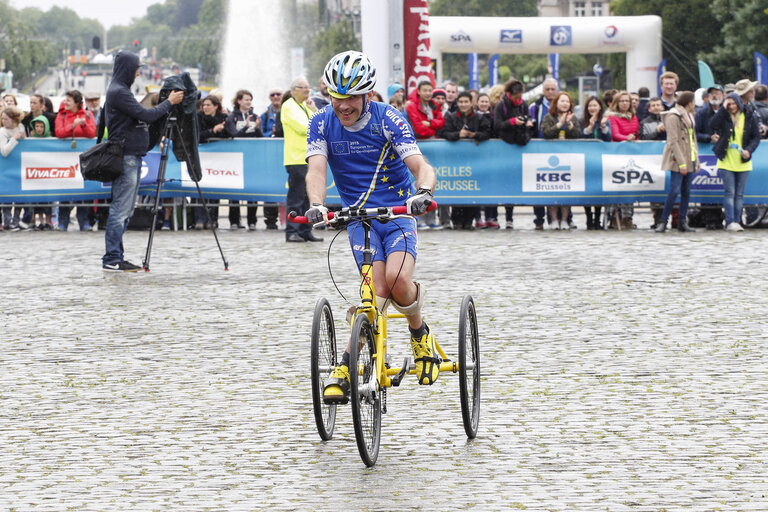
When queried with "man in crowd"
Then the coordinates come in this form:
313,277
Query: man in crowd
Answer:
668,82
127,119
537,111
761,108
270,115
706,112
36,109
322,99
268,119
711,214
465,124
93,105
642,108
451,94
294,116
651,128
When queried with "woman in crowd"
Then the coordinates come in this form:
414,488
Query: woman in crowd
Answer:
494,96
681,158
560,123
242,122
594,126
212,121
624,127
9,100
10,133
73,120
491,212
739,135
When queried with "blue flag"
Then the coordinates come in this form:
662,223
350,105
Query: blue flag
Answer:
554,65
493,70
761,68
661,70
474,72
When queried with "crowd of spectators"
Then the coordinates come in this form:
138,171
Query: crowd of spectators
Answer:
444,113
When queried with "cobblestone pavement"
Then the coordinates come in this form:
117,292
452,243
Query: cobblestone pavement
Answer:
621,371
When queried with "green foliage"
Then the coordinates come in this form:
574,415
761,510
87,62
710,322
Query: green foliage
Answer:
483,8
21,45
742,29
689,31
337,38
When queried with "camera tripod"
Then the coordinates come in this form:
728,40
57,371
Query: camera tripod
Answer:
172,132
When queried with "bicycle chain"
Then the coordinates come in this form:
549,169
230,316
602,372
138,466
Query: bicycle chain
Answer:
384,400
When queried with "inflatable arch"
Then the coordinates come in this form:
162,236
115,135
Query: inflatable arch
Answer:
638,36
383,39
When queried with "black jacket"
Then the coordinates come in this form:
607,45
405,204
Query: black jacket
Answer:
475,122
723,126
208,122
509,133
126,118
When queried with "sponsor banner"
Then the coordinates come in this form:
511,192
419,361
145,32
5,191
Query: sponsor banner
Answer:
460,39
492,172
511,36
50,171
611,36
560,35
633,173
553,172
418,63
220,170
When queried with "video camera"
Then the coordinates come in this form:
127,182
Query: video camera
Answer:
186,136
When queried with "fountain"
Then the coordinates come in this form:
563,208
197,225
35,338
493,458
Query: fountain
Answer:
255,55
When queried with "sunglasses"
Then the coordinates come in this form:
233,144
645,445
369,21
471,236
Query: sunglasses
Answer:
275,94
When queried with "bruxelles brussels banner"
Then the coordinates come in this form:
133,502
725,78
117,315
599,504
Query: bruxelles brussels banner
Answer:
492,172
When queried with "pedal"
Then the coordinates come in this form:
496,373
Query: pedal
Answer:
384,400
399,377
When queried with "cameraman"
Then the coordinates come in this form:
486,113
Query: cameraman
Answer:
127,120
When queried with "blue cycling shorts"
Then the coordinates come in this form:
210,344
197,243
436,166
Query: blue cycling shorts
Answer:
393,236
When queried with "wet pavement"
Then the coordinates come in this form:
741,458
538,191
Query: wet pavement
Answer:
620,371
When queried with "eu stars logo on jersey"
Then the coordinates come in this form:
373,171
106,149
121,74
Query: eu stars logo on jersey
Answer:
340,148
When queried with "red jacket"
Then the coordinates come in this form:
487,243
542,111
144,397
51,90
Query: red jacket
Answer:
621,128
65,119
416,114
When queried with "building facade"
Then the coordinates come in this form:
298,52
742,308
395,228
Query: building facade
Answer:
576,8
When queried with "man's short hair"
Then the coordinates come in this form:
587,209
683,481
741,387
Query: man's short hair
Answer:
296,81
643,92
655,98
464,94
423,83
669,74
761,93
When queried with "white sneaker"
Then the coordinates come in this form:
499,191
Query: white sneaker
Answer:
564,226
734,226
553,226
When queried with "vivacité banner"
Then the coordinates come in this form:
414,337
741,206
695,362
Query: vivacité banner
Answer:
542,173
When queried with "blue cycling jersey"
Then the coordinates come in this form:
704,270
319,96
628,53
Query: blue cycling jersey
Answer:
366,159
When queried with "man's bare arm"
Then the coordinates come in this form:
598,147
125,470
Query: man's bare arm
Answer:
316,179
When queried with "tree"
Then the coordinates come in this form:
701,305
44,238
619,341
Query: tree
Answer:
337,38
483,8
689,30
742,32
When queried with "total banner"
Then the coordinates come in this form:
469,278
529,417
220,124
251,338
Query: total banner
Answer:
492,172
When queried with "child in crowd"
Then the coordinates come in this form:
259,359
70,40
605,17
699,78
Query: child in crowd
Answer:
41,129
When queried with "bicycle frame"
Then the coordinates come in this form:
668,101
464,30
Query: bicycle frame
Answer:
368,307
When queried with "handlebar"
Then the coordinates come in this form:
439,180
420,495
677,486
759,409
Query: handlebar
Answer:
347,214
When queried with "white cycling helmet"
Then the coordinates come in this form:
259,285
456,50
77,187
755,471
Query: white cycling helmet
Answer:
349,74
